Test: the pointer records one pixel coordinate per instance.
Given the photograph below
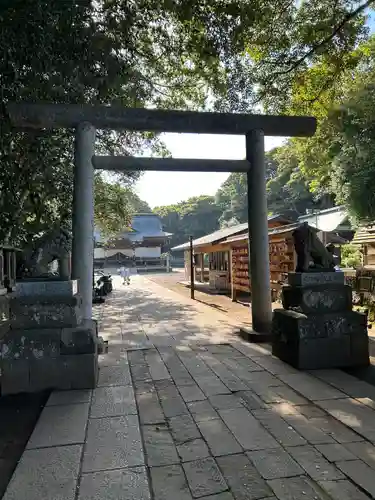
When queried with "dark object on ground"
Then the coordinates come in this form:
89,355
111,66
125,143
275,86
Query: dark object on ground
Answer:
103,284
106,281
98,300
309,248
18,417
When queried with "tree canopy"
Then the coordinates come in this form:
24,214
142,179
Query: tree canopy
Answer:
231,55
195,217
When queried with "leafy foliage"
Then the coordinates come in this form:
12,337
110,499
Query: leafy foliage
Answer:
337,163
114,206
226,55
195,217
350,256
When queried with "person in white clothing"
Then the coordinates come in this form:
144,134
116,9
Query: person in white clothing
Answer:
125,275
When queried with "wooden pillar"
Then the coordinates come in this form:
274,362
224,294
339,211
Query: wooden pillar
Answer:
192,289
232,288
202,267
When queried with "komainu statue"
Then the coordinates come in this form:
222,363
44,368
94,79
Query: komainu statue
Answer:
312,255
52,245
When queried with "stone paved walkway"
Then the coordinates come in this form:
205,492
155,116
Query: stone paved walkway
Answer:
185,410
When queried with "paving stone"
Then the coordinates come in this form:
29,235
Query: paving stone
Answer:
140,372
122,484
335,452
311,387
58,398
113,402
48,473
114,375
313,462
183,428
263,379
242,478
307,429
281,431
159,446
202,411
346,383
112,357
337,430
204,477
226,376
184,381
191,450
211,385
247,430
370,402
360,473
171,402
169,483
274,464
250,400
251,350
175,367
310,411
268,394
249,365
352,414
242,368
113,443
221,496
274,365
219,439
60,425
157,368
363,450
144,386
224,349
296,488
342,490
135,356
195,366
225,402
149,408
288,395
164,384
191,393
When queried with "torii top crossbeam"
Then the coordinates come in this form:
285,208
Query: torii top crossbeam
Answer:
49,116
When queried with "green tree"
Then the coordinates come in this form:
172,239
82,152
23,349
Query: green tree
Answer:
353,172
183,54
350,256
337,162
195,217
114,206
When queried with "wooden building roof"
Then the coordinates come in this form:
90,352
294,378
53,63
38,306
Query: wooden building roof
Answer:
222,234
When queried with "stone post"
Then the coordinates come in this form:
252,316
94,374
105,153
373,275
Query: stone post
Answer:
259,266
83,215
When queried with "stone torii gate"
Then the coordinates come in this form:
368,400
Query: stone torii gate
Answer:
85,119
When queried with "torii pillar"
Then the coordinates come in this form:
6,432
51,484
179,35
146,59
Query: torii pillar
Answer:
83,214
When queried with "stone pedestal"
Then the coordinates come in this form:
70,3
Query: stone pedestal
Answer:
317,327
47,344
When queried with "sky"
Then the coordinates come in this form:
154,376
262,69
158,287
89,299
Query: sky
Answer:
166,188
